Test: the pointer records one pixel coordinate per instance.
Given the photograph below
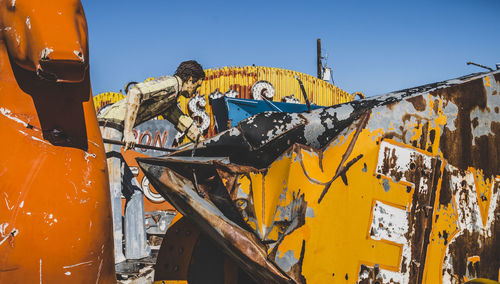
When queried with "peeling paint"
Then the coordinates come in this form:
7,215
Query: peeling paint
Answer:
46,52
411,204
89,155
377,275
12,234
389,223
286,261
386,185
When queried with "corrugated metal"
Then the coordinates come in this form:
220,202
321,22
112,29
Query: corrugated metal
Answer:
241,79
104,99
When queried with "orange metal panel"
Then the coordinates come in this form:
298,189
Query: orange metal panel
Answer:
55,218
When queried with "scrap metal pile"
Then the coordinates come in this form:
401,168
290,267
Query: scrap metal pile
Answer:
397,188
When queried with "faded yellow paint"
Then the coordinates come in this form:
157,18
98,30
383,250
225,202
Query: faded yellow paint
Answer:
483,191
104,99
436,125
445,219
474,258
352,245
266,189
416,128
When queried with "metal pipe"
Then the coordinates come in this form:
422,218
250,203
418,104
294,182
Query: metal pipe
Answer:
142,146
304,94
479,65
318,58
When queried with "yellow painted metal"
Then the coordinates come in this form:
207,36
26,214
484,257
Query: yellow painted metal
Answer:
349,241
335,248
104,99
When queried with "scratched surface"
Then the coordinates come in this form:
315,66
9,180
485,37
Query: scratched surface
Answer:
400,188
55,224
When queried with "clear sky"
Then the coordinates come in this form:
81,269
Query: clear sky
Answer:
373,46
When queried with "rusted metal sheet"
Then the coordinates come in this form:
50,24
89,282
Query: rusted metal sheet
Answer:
55,221
400,188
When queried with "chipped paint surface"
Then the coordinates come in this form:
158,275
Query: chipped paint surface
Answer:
399,190
389,223
47,125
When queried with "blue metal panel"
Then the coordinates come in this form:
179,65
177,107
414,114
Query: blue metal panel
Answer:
233,110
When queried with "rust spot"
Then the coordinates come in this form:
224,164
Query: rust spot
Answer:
389,161
473,244
445,194
486,151
444,236
456,145
423,137
369,275
391,106
436,106
432,136
420,219
496,109
497,78
403,265
475,122
418,103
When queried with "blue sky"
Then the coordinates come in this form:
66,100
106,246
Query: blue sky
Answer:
373,46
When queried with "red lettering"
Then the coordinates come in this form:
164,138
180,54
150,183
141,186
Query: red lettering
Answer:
150,138
158,140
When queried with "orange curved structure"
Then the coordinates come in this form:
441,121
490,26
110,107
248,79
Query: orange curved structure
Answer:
55,219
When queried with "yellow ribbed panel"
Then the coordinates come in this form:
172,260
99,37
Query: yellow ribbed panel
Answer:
104,99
